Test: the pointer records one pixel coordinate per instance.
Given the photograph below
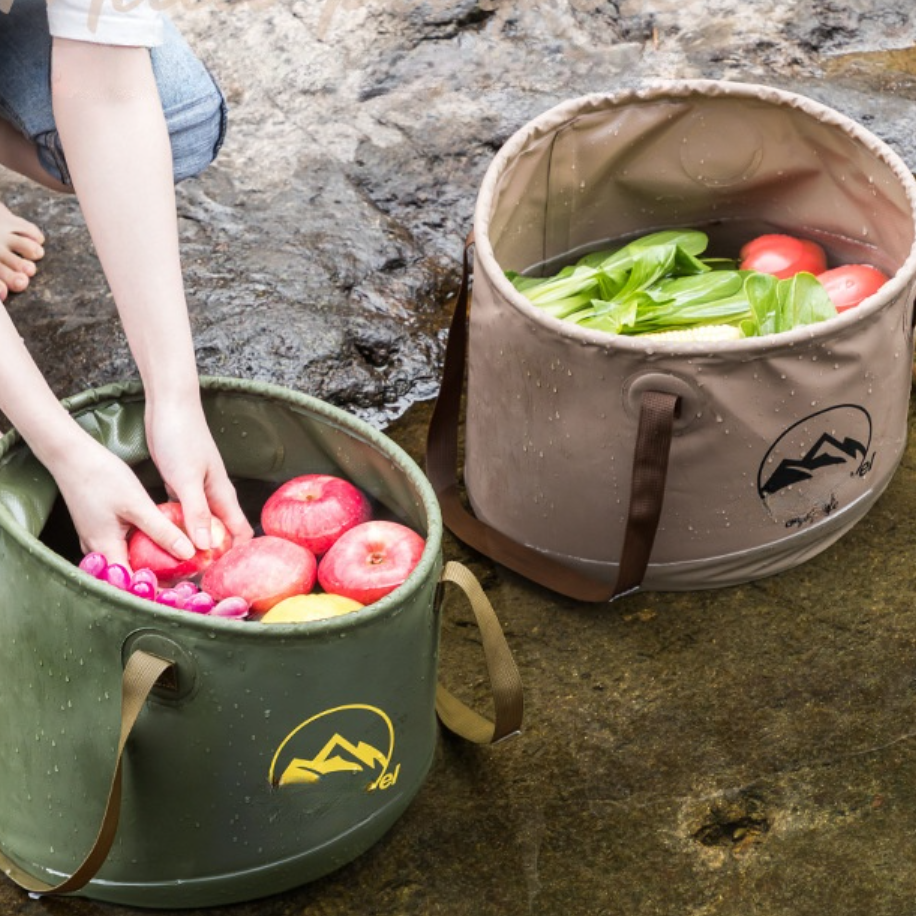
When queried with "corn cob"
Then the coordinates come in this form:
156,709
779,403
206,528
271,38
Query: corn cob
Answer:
705,332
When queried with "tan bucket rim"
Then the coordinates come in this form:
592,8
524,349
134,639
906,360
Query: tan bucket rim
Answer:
550,120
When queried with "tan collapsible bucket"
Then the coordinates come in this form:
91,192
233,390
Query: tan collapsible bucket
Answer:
597,463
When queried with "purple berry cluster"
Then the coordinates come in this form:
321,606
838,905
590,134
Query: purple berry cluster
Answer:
184,595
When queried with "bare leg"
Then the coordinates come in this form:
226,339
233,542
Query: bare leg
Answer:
20,241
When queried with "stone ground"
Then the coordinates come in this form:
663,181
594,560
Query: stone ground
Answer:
743,751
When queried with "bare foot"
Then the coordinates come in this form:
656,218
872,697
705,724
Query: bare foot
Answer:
20,247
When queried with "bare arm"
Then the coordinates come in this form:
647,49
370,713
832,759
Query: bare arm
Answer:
113,131
104,496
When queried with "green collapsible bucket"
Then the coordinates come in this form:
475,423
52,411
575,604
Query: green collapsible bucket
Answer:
257,757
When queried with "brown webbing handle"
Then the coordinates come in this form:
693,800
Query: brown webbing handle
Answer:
505,680
140,675
658,410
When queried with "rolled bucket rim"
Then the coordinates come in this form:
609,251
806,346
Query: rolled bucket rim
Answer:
551,119
82,582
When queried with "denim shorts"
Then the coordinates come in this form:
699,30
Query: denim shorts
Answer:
195,110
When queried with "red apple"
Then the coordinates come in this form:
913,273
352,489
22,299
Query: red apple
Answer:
370,560
314,510
263,571
144,553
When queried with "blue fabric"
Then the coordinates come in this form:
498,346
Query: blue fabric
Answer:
195,110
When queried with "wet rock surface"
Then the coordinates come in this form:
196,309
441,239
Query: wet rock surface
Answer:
748,750
322,246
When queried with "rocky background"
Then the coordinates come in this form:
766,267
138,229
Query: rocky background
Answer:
322,247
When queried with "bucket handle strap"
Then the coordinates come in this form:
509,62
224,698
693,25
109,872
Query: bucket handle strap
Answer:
658,411
505,680
141,673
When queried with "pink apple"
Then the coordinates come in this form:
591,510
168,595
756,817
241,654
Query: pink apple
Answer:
263,571
144,553
314,510
370,560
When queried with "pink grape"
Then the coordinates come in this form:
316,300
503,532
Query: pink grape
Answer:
199,603
145,575
185,588
143,589
170,598
234,607
117,575
94,563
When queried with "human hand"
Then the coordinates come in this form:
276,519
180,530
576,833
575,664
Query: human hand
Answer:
106,501
193,471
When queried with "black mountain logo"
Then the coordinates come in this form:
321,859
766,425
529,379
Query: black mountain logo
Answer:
825,452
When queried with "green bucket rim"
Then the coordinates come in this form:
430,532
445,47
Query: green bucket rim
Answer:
81,582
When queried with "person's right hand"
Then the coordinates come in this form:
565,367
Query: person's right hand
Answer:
106,500
182,448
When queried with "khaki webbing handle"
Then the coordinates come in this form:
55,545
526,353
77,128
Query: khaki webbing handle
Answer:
505,681
658,411
141,673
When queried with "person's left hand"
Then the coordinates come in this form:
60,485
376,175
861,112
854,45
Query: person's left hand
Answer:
182,448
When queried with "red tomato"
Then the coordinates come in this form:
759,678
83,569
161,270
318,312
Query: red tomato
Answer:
848,285
783,256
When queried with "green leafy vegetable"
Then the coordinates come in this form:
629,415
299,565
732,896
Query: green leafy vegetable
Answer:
659,282
780,305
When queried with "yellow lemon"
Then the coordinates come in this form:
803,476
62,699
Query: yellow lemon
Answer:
304,608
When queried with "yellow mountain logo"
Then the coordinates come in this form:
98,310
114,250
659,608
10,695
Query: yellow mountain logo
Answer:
354,759
294,763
